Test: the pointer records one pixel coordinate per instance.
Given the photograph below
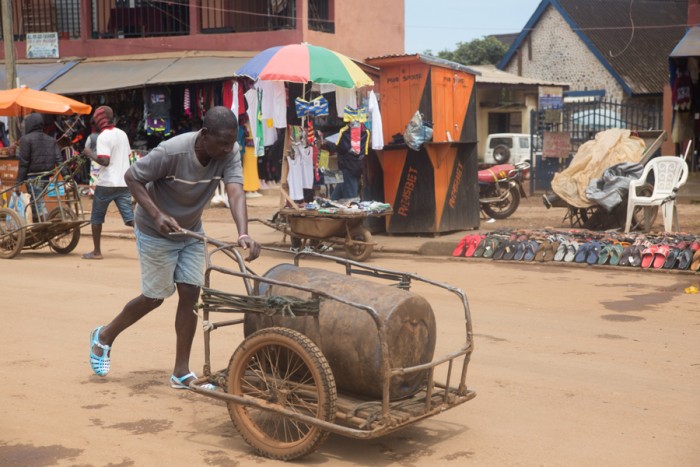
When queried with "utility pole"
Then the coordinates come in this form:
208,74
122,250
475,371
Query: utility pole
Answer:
10,69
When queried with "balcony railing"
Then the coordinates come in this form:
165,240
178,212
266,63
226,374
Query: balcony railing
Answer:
223,16
140,18
151,18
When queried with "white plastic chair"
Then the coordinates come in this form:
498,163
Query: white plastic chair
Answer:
670,173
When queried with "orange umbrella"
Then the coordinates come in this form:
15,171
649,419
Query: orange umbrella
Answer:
22,101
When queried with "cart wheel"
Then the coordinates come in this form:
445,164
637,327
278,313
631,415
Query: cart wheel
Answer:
65,242
360,252
283,368
11,233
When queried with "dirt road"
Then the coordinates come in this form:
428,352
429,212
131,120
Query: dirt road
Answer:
573,366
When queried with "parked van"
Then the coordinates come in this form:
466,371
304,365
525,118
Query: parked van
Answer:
512,148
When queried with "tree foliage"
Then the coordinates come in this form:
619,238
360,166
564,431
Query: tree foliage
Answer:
485,51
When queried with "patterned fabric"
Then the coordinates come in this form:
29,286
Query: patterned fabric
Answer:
188,104
317,107
352,114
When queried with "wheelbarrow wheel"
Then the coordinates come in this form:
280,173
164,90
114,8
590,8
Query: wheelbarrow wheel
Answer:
64,242
282,368
359,252
11,233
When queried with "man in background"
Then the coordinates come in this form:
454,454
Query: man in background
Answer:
112,154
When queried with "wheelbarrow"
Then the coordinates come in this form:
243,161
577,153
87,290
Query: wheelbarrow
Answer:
327,352
59,228
344,228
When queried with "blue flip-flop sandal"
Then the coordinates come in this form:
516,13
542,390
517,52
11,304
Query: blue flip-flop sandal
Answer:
179,383
99,363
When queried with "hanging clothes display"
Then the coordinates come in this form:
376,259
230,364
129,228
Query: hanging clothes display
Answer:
377,129
254,113
345,97
353,146
274,105
157,106
251,182
158,102
317,107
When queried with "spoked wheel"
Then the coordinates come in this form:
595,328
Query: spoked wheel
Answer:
65,242
11,233
503,209
360,252
283,368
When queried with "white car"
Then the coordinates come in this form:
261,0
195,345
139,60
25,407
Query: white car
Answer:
511,148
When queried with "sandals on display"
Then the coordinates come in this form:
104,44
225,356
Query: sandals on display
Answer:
616,253
480,248
648,255
593,252
660,256
571,250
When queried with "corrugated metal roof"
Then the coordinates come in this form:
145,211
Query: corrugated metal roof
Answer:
37,75
689,46
635,38
429,59
492,75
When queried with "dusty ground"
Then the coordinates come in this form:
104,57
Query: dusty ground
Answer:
572,366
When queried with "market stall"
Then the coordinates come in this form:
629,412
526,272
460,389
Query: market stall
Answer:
302,94
433,187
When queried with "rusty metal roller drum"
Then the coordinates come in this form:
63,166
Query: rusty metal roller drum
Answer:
348,337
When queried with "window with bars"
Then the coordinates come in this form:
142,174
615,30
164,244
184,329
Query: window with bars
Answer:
34,16
224,16
140,18
321,16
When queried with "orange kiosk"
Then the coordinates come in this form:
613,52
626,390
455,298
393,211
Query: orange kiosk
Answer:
434,189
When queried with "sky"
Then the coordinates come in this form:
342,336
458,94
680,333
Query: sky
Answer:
440,24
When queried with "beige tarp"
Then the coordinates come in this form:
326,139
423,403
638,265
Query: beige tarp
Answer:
609,147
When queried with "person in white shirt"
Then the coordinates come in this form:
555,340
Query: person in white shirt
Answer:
112,155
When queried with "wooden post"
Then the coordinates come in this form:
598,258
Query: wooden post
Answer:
10,70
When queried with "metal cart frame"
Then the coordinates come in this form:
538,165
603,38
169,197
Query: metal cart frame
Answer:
60,229
347,415
341,228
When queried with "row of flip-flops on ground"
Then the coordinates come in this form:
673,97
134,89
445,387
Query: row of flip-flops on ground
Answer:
646,251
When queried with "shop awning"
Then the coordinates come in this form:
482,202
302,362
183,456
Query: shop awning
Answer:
192,69
88,76
101,75
37,75
689,46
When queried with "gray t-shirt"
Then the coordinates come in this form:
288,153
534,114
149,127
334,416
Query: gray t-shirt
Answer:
178,183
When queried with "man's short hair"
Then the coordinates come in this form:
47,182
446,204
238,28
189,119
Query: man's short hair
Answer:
220,118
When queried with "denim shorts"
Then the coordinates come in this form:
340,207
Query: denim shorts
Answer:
167,261
105,195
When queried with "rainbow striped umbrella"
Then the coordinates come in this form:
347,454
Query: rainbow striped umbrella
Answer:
301,63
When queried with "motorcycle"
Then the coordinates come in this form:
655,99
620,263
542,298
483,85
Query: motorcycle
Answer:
501,189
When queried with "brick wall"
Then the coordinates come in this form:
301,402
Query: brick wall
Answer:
558,54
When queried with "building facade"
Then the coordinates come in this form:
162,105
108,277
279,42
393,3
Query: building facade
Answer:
97,28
